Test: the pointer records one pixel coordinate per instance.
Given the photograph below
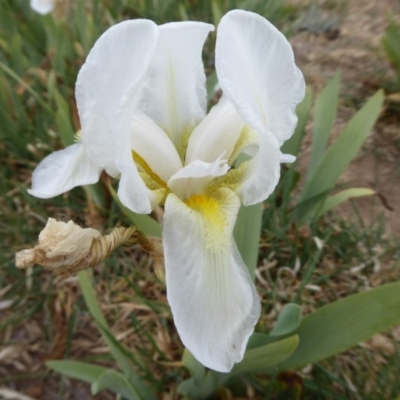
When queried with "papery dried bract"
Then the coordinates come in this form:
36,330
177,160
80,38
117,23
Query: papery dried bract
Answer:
61,244
66,248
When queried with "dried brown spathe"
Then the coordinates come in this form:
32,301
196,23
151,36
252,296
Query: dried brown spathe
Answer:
66,248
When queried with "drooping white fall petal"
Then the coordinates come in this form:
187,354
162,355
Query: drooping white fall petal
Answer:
63,170
256,70
212,297
175,95
42,6
108,85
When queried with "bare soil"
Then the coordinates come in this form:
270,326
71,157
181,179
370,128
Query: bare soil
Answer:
353,46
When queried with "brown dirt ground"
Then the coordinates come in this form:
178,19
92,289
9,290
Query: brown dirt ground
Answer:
356,52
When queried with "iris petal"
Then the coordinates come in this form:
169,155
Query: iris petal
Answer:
63,170
174,96
256,70
217,134
111,78
213,300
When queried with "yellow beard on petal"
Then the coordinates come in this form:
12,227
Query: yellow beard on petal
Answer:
214,219
78,136
231,180
247,138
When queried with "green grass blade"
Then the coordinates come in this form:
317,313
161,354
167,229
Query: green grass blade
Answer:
258,339
341,153
195,368
116,382
211,85
122,357
26,86
265,357
89,295
247,234
333,201
63,119
85,281
292,146
325,111
77,369
216,12
343,324
95,193
289,320
391,42
260,359
302,212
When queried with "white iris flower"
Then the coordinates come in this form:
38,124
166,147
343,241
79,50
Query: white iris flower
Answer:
142,104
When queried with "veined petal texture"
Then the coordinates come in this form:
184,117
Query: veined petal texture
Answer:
256,70
110,78
213,300
175,95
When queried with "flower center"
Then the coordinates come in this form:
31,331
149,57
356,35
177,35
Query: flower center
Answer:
199,177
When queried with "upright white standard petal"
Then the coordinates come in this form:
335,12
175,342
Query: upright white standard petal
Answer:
213,300
111,78
63,170
175,94
42,6
256,70
217,134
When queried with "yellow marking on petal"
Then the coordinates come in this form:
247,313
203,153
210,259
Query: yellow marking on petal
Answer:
215,221
231,180
78,136
141,162
184,139
159,192
187,132
248,137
